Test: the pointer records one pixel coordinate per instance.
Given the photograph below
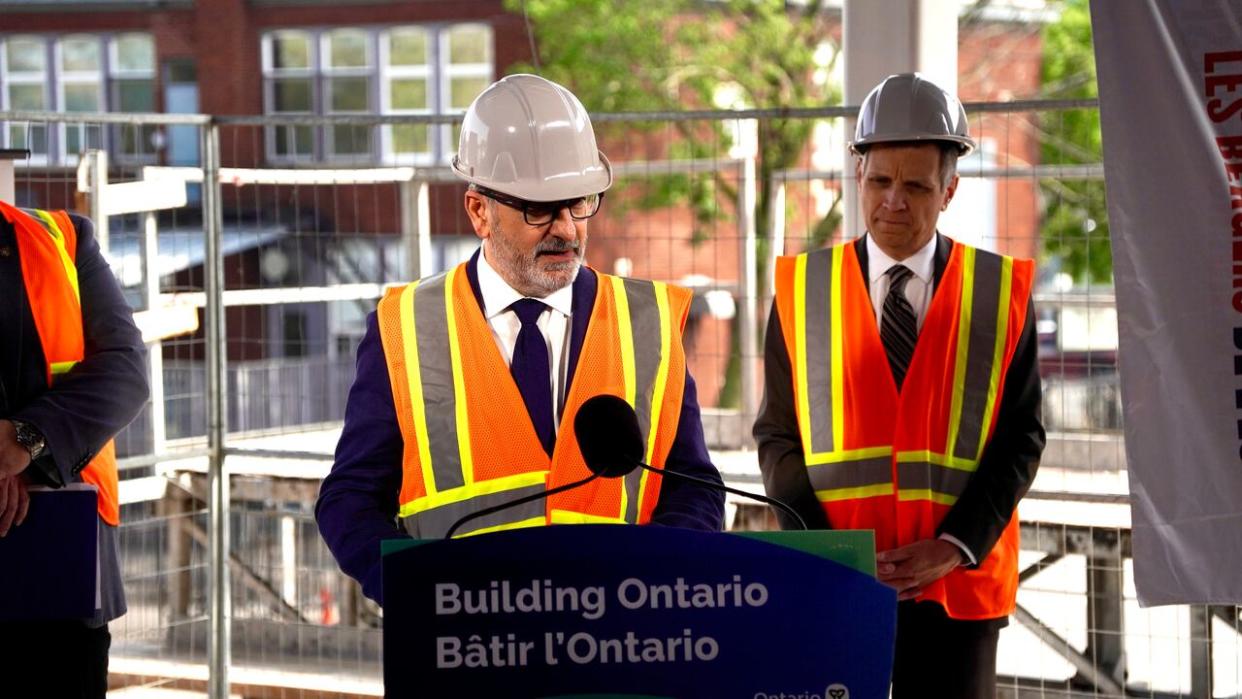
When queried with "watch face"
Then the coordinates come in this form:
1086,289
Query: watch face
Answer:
30,438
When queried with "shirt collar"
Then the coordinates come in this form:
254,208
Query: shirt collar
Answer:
922,263
498,295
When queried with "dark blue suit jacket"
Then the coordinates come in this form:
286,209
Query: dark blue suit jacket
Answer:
92,402
357,506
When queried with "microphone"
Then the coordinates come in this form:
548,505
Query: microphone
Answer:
612,446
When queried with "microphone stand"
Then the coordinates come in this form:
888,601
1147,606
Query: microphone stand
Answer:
720,486
520,501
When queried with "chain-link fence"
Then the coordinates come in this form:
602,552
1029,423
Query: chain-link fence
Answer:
254,293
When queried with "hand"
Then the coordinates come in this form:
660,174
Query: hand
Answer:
14,458
14,502
908,569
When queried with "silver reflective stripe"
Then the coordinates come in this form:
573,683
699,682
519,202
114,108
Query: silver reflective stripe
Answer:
435,523
921,475
436,371
985,301
852,474
819,349
646,331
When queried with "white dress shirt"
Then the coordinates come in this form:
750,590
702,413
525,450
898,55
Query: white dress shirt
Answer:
919,290
553,323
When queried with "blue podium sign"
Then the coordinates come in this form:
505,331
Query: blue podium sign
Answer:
637,611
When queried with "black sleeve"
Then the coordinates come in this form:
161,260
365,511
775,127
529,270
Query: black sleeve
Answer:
776,432
1010,458
682,503
101,394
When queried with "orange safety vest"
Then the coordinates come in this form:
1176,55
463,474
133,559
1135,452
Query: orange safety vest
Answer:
47,244
468,439
896,462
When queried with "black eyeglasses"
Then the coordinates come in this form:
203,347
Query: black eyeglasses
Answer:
541,213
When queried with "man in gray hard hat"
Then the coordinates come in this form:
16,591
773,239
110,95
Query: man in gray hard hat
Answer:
902,394
469,381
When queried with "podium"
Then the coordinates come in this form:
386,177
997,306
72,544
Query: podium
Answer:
49,563
606,610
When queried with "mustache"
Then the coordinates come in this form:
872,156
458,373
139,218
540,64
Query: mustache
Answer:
557,245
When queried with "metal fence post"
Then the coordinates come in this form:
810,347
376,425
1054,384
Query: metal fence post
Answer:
748,258
219,615
416,227
155,350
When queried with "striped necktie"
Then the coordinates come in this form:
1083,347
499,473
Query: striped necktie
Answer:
899,328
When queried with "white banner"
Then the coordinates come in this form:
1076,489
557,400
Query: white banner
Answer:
1170,78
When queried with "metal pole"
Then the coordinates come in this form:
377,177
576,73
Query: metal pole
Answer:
1201,665
416,227
99,186
748,278
155,350
217,478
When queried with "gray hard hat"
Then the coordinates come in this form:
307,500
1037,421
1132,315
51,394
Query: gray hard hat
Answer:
531,138
909,107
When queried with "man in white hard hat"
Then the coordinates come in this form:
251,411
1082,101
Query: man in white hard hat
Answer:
469,381
903,395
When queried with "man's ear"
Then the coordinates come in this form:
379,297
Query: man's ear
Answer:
479,213
949,192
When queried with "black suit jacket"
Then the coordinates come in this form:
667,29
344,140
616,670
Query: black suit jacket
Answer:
1005,471
88,405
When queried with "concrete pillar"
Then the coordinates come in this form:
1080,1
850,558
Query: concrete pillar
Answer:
882,37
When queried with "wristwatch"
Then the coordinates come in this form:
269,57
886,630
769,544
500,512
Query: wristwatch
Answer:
30,438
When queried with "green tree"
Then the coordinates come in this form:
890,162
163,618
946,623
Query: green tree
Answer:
673,55
1075,227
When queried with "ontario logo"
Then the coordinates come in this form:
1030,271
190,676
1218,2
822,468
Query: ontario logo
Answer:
833,691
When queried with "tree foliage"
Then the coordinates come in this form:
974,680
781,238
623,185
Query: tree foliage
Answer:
1075,227
673,55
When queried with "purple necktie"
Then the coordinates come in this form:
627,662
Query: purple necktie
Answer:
531,370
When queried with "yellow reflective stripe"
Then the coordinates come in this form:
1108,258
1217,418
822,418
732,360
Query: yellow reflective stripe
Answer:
838,351
800,361
63,367
661,377
661,385
924,494
520,524
866,491
963,345
626,333
58,237
569,517
414,378
836,457
467,492
998,352
931,457
459,379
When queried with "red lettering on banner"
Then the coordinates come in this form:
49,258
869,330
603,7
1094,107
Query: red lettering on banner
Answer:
1235,197
1237,224
1230,147
1221,109
1211,59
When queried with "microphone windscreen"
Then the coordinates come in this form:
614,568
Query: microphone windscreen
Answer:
608,436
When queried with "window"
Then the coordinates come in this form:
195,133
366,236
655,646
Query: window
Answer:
289,60
347,88
24,72
393,70
133,90
80,65
77,73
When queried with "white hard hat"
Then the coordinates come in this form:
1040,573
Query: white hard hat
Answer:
532,139
909,107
